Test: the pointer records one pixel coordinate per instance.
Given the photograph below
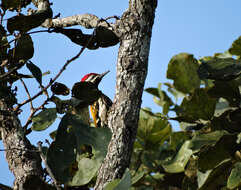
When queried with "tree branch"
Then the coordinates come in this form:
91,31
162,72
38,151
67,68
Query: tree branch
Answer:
136,29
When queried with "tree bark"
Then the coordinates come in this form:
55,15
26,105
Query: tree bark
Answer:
135,26
23,159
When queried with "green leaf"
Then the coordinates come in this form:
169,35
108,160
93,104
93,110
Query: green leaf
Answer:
98,139
24,48
105,37
24,23
14,4
120,184
36,72
178,138
228,90
235,49
213,179
197,106
44,119
224,149
160,98
138,177
178,164
153,129
61,155
222,69
182,68
234,180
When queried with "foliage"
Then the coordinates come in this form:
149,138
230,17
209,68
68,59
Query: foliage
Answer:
204,97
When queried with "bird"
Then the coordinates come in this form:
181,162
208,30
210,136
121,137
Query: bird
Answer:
99,103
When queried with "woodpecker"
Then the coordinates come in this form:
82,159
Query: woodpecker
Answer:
99,109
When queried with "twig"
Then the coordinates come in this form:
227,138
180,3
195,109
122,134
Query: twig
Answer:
29,120
56,77
28,94
11,71
46,165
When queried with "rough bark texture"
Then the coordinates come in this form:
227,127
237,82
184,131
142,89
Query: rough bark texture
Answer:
23,160
136,28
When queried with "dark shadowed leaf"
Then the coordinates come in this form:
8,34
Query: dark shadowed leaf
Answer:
198,106
98,139
235,49
228,90
223,149
60,89
213,179
24,48
120,184
105,37
222,69
24,23
178,138
234,180
3,43
36,72
182,68
44,119
14,4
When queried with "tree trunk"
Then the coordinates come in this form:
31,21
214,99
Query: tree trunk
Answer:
135,26
23,159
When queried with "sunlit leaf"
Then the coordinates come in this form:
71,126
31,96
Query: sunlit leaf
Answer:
235,49
234,180
120,184
44,119
182,68
179,162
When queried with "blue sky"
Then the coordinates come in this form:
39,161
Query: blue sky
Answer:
200,27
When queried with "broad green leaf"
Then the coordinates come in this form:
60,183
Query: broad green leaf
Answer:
228,90
200,140
234,180
235,49
25,23
213,179
14,4
138,177
36,72
179,162
178,138
61,155
224,149
153,130
222,69
98,139
120,184
221,106
197,106
44,119
24,48
182,68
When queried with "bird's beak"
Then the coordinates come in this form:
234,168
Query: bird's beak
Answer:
103,74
